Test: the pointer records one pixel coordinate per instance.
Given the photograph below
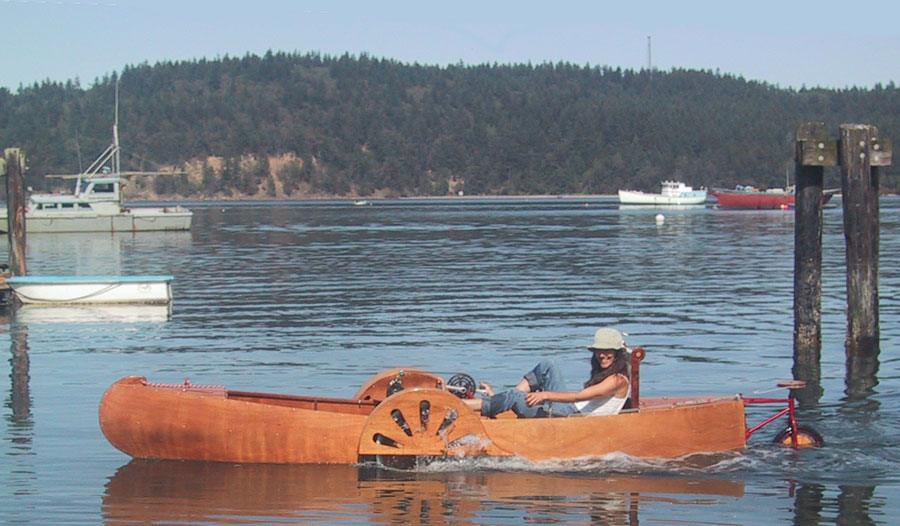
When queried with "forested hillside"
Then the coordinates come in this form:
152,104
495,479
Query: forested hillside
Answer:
291,125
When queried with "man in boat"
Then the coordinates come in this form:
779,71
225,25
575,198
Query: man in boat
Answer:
542,391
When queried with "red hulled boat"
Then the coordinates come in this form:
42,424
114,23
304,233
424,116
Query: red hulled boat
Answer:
748,197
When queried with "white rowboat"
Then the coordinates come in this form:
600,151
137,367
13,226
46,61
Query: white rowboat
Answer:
91,289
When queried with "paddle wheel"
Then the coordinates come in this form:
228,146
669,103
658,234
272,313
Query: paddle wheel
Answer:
423,423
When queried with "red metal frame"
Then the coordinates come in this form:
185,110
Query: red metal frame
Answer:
789,410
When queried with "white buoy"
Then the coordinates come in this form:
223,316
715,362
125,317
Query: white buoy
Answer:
660,219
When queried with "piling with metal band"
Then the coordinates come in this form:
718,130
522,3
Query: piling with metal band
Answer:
812,153
861,153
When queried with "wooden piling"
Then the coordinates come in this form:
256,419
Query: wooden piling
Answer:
812,153
861,153
15,209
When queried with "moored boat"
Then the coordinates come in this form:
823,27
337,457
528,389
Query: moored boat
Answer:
398,413
91,289
97,204
753,198
671,193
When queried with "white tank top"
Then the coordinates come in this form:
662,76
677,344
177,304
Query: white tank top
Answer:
604,405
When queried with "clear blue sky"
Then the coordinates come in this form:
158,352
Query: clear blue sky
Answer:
787,43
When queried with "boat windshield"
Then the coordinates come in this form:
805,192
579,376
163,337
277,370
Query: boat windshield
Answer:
97,187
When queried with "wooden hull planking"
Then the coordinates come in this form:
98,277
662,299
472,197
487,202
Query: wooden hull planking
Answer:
210,423
657,432
146,421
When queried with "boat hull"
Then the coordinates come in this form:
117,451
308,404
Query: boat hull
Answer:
129,220
209,423
186,422
50,290
759,200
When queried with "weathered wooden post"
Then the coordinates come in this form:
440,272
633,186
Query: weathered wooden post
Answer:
15,209
812,153
861,153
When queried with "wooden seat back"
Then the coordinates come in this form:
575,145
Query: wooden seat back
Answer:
637,354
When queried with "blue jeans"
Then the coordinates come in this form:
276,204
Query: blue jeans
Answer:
545,376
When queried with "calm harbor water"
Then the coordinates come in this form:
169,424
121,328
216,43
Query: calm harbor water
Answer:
315,297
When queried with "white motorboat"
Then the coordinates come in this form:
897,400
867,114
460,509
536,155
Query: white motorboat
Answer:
671,193
91,289
97,204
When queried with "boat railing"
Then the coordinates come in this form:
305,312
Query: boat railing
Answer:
187,386
314,403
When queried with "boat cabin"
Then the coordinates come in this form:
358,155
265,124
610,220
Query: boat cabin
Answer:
100,189
92,194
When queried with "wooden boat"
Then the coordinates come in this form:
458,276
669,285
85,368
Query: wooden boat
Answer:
51,290
671,193
397,413
751,198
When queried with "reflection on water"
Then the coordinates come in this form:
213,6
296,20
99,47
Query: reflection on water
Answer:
86,313
20,397
144,492
20,423
101,253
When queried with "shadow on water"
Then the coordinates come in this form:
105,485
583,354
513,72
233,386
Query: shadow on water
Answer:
200,493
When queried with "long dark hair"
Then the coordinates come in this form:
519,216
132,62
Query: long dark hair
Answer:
619,366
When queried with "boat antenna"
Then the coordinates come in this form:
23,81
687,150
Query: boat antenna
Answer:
115,158
78,152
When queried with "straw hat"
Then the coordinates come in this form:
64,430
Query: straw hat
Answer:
607,338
